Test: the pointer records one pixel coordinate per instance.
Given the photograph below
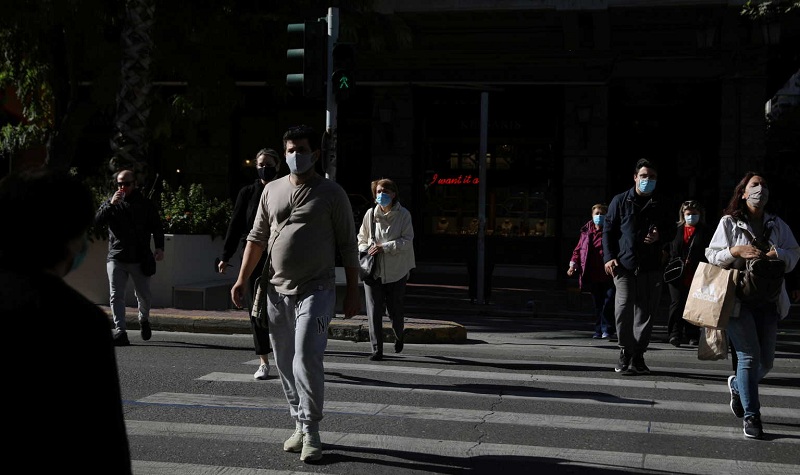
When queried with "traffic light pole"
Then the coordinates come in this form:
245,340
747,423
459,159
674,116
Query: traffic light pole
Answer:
332,109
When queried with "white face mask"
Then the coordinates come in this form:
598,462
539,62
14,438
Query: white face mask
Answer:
299,162
757,196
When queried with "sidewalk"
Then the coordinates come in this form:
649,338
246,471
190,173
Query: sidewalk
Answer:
432,301
434,306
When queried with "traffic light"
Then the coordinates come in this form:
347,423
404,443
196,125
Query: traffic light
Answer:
313,55
342,80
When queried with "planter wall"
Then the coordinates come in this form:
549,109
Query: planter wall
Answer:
188,259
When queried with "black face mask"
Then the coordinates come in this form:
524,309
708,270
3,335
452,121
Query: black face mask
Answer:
267,173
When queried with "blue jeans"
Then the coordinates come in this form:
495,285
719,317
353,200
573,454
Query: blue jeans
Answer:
118,273
753,335
603,298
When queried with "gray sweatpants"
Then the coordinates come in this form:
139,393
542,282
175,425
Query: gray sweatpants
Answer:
298,330
635,307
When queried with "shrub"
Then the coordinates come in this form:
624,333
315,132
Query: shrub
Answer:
182,211
190,211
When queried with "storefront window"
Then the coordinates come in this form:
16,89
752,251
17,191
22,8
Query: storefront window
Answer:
521,166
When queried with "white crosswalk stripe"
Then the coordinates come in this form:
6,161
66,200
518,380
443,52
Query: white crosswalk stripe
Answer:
447,448
419,391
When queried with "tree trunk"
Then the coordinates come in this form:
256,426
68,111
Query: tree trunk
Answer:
130,141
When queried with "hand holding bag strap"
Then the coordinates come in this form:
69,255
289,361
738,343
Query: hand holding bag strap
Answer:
765,234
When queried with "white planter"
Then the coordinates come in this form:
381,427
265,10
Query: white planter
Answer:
187,259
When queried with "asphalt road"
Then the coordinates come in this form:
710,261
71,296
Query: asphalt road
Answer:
522,395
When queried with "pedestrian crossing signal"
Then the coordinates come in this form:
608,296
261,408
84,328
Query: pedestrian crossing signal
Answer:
342,80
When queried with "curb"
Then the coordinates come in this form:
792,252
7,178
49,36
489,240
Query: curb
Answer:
355,329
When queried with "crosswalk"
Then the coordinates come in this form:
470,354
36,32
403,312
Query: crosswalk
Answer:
556,407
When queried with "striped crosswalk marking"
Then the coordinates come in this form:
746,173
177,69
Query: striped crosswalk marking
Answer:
469,415
445,448
567,405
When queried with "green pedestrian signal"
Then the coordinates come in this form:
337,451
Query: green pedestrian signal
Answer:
342,80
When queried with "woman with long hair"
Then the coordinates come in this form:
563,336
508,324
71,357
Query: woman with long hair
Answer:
753,327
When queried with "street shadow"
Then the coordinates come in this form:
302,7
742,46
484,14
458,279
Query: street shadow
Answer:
443,464
183,344
490,390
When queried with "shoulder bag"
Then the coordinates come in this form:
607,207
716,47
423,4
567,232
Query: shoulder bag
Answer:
259,307
368,264
674,269
761,280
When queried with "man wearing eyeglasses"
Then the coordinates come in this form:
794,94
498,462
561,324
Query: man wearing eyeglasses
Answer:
303,219
132,220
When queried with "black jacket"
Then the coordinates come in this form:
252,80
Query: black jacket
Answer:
244,214
131,222
88,396
627,222
695,251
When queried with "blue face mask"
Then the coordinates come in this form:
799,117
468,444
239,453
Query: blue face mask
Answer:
383,199
80,256
599,219
299,163
647,185
692,219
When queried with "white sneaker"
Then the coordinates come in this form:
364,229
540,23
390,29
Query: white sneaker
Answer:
263,372
295,442
312,448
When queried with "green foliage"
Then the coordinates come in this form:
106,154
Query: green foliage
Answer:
17,138
767,9
190,211
100,192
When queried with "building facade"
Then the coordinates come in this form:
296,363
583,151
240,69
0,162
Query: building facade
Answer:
577,92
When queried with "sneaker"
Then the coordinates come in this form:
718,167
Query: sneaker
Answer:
121,339
752,427
398,346
263,372
146,331
597,336
736,402
312,447
624,362
638,366
675,341
376,357
295,442
605,336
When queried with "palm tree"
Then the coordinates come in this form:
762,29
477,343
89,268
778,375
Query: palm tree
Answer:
130,141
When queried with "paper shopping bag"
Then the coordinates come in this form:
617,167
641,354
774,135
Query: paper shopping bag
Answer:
711,296
713,345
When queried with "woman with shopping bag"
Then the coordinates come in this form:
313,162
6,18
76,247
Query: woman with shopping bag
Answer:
753,328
